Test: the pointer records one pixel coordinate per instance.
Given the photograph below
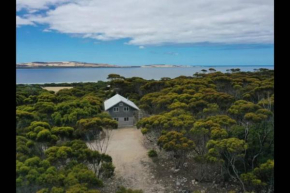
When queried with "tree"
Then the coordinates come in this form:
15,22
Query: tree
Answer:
177,143
197,106
178,105
59,155
212,70
19,99
40,132
46,97
267,103
114,76
229,151
153,86
264,92
62,132
45,107
241,107
223,100
90,128
197,75
254,120
102,142
261,178
177,119
77,150
23,119
200,134
223,83
224,121
80,188
24,148
57,119
235,70
165,78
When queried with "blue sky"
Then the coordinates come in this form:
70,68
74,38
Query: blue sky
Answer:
47,31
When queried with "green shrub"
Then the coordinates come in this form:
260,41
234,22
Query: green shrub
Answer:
144,131
125,190
152,153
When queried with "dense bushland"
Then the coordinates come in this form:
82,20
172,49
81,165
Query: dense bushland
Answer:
220,119
52,131
225,120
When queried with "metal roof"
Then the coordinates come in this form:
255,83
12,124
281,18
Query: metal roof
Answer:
116,99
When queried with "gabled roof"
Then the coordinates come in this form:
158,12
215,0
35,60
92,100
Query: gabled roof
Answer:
116,99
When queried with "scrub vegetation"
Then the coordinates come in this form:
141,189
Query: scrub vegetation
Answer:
218,120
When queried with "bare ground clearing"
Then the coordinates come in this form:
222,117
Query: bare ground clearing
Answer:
56,88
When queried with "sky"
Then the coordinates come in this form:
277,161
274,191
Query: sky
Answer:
140,32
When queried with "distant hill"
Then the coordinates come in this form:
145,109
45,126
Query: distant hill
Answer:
74,64
63,64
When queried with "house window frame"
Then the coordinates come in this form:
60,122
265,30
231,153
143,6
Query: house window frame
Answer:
120,104
115,109
116,118
124,109
126,118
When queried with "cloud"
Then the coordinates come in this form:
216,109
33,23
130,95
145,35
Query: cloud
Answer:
34,5
22,21
46,30
141,47
151,22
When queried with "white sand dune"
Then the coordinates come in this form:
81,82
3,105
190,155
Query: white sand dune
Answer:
55,88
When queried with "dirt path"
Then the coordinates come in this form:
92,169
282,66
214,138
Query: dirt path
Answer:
135,170
131,161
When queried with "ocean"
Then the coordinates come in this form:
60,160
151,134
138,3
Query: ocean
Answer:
69,75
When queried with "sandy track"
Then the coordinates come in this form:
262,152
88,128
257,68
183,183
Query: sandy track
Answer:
131,160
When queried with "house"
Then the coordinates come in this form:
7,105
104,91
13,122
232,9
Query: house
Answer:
122,110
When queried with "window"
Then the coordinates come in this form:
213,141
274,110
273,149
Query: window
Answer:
126,119
116,119
126,108
120,104
116,109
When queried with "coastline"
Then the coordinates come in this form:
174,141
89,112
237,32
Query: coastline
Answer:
40,76
57,67
145,66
